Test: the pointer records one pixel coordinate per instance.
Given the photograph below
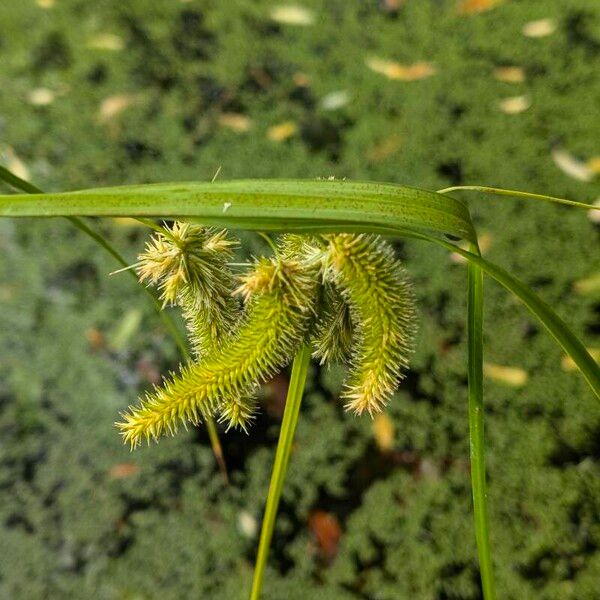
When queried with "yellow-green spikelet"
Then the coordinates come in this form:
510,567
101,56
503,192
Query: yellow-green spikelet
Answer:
188,263
374,285
281,295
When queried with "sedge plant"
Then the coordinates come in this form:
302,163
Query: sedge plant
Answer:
332,288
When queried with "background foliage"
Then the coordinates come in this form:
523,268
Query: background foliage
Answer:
122,92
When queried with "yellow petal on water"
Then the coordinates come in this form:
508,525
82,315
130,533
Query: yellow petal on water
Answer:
567,362
588,286
485,243
106,41
13,163
399,72
510,74
45,4
539,28
283,131
571,166
235,121
113,106
512,376
384,432
476,6
292,14
514,105
41,96
384,148
594,215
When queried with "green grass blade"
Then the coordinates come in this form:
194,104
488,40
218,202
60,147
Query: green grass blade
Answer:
282,457
492,191
557,328
276,205
476,426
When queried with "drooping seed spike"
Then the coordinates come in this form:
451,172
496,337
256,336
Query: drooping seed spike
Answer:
188,263
281,294
374,285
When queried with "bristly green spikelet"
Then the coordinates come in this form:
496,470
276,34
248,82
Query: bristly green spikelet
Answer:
334,332
280,295
189,264
382,307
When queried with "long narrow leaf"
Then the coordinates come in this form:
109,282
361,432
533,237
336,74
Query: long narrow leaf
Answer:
275,205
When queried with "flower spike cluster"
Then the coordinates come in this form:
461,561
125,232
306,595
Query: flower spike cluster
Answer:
345,294
373,284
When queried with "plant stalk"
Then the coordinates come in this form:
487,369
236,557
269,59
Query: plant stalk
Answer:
476,429
213,434
282,457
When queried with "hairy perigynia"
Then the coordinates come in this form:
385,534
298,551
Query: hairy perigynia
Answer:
279,294
373,284
346,294
188,263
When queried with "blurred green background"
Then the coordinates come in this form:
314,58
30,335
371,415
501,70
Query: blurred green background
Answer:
427,93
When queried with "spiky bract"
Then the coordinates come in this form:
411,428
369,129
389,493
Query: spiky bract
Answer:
374,286
280,294
188,262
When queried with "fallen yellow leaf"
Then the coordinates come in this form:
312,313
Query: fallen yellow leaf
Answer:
588,286
292,14
512,376
384,148
539,28
283,131
593,164
384,432
235,121
41,96
113,106
399,72
571,166
510,74
514,105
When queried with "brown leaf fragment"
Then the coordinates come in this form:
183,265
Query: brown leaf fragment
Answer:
123,470
476,6
327,531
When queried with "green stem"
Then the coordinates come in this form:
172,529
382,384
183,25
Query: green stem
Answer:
170,325
492,191
476,429
282,457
